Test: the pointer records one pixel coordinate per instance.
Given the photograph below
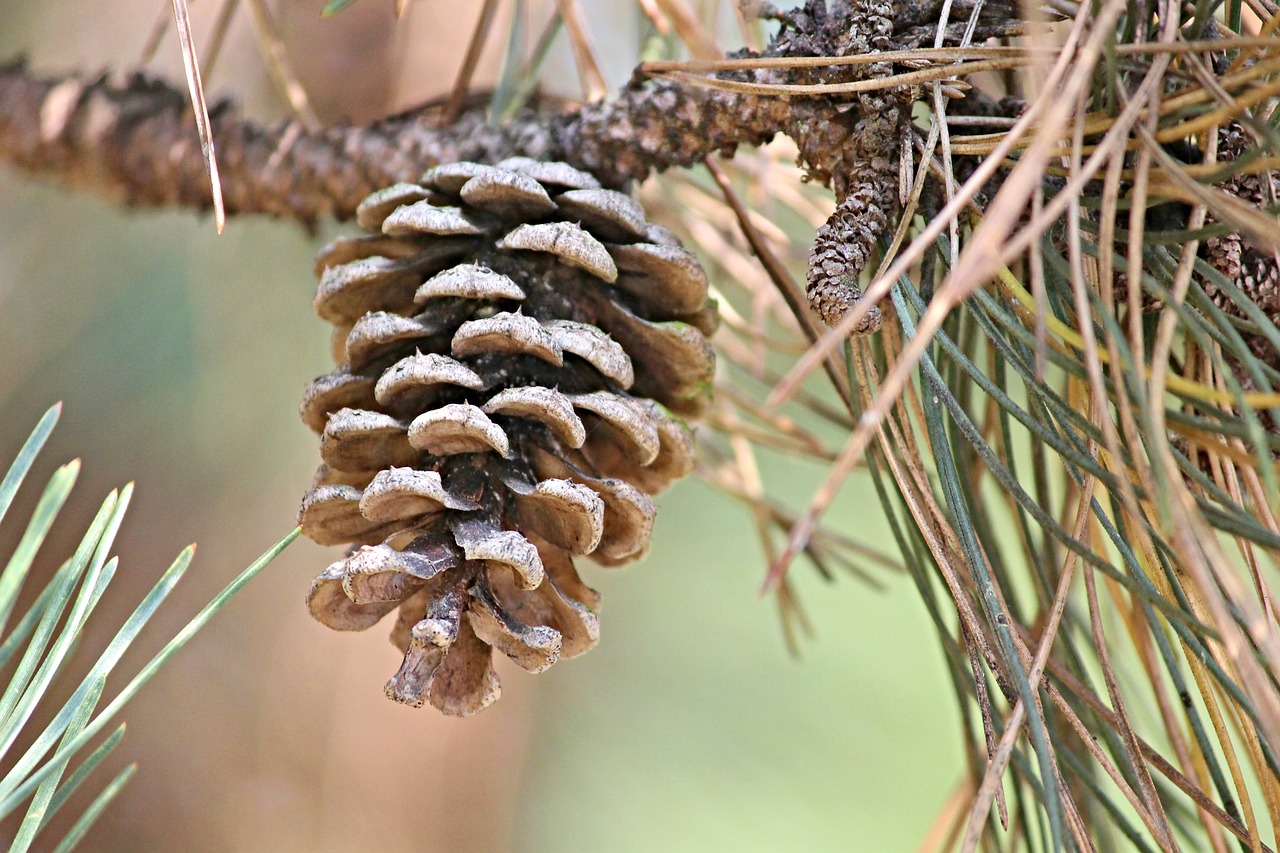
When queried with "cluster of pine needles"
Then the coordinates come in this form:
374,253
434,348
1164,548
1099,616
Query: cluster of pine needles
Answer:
1070,417
1081,475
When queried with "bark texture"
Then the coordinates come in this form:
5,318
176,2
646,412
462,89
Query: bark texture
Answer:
135,140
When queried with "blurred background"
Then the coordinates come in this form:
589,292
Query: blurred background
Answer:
181,355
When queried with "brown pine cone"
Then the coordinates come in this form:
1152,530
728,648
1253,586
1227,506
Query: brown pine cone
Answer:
516,349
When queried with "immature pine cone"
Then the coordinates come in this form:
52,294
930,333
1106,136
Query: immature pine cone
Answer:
515,348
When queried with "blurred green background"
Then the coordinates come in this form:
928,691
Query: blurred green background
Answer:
180,356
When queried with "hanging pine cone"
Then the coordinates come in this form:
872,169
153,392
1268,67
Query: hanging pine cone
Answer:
516,350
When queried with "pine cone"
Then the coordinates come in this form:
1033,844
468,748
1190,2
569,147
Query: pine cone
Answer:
516,348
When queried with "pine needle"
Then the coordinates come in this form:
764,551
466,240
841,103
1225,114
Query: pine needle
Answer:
280,68
593,86
462,83
203,126
696,37
221,26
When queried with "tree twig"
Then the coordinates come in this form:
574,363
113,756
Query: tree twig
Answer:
134,141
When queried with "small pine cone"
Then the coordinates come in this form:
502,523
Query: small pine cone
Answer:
516,350
843,246
1251,268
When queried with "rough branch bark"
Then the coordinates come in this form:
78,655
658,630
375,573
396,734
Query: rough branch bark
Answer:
135,141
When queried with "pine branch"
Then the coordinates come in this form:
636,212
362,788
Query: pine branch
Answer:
134,142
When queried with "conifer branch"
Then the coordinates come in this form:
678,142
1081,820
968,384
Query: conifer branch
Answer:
134,141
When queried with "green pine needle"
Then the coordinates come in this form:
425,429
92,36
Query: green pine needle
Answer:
333,7
45,637
95,810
